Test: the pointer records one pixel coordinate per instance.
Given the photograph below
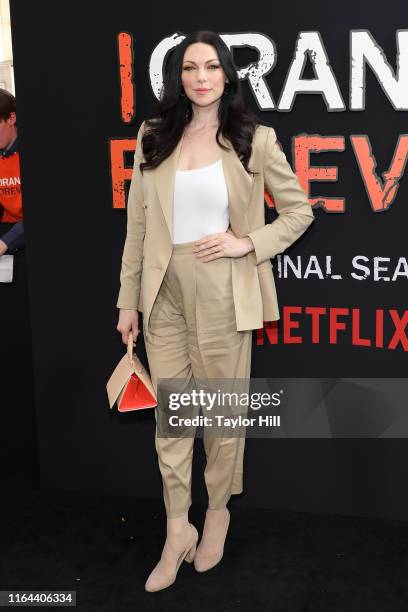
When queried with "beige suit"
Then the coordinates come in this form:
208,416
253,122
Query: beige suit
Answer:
148,245
198,316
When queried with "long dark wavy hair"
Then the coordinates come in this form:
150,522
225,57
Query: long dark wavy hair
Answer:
236,123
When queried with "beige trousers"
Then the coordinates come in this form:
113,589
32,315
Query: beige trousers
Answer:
192,334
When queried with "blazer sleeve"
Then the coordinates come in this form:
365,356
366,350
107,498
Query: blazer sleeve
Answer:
14,238
291,204
131,271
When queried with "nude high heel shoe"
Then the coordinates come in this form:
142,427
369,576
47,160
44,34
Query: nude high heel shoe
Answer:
158,581
204,561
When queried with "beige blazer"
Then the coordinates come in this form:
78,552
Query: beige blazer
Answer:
148,244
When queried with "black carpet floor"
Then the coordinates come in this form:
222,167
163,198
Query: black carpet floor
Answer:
105,547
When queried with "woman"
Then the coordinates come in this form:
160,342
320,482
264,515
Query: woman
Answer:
196,262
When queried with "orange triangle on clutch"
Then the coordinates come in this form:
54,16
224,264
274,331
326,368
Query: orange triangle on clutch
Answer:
136,396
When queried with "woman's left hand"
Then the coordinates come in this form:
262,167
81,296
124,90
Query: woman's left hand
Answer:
225,244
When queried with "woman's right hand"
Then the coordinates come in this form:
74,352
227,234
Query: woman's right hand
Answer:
128,321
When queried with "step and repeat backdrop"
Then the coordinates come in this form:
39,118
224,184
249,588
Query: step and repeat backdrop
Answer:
333,82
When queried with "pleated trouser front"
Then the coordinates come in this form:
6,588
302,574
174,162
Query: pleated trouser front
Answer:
192,335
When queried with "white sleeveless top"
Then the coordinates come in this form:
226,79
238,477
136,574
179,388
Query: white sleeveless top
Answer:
200,204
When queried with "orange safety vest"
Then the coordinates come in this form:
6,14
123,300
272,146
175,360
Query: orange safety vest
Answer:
10,189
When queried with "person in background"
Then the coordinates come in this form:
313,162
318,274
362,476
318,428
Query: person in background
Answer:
11,206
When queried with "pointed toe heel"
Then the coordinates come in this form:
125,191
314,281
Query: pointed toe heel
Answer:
157,582
203,562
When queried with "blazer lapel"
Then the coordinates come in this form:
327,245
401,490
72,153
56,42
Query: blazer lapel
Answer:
239,185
